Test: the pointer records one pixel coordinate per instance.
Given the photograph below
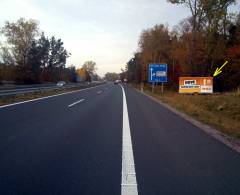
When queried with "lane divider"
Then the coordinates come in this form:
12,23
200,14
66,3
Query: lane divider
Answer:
99,92
76,103
129,181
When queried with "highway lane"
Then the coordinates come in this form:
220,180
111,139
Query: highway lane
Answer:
174,157
50,147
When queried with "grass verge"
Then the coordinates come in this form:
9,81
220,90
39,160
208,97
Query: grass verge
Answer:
221,111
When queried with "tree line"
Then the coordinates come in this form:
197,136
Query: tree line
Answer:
111,76
195,47
28,56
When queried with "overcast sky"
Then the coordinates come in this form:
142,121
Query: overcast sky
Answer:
105,31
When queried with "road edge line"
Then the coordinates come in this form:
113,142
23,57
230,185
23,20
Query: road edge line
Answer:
129,180
46,97
231,142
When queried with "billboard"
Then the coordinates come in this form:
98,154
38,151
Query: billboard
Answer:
195,84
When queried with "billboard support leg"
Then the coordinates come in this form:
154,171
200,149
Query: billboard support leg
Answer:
153,87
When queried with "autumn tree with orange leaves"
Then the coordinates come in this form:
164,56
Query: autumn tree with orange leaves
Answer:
195,47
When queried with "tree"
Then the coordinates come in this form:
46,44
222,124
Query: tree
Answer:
20,36
95,77
111,76
196,19
195,7
6,56
72,73
57,58
154,47
88,77
195,47
134,70
154,44
58,54
33,58
90,67
231,78
208,18
215,27
38,57
7,68
43,51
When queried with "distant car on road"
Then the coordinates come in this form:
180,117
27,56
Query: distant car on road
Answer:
61,83
117,81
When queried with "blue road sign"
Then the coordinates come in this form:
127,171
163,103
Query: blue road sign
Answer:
157,73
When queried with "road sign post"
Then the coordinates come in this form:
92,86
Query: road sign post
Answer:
142,86
157,73
153,84
162,88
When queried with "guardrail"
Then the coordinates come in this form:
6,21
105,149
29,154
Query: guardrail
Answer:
33,88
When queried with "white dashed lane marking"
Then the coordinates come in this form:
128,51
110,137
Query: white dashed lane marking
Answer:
76,103
99,92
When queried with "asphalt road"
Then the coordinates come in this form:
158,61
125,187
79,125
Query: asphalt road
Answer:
73,144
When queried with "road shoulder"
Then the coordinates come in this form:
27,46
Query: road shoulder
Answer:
231,142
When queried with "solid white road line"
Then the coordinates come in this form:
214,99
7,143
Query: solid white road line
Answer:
33,100
76,103
129,181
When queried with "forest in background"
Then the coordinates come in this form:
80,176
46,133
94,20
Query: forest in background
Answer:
27,56
195,47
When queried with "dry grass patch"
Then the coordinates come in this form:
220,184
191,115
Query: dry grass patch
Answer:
220,111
